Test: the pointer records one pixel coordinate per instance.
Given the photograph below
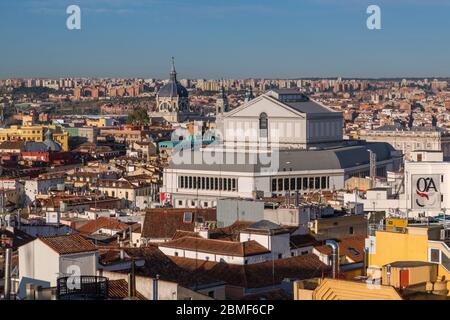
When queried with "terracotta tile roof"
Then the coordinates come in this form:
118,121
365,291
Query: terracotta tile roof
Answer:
351,247
162,223
12,145
257,275
157,263
181,234
111,255
234,248
68,244
231,232
118,289
304,240
102,223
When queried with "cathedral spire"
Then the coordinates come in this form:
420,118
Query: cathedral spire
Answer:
173,72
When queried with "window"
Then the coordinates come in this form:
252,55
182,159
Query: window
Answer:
305,183
263,125
323,182
234,184
274,185
286,184
176,254
292,184
299,183
190,182
207,183
280,256
351,231
181,182
180,202
311,183
316,183
216,183
205,204
435,255
280,184
187,217
203,183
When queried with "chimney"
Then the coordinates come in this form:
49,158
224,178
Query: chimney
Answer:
334,257
8,257
132,281
155,287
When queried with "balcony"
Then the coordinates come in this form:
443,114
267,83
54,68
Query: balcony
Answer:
84,288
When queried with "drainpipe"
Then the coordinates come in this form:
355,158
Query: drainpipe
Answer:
8,254
335,256
388,274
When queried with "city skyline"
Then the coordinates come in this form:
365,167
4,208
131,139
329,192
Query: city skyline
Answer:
313,39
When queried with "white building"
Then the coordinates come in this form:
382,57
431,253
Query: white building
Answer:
426,187
38,186
278,143
409,140
44,260
260,242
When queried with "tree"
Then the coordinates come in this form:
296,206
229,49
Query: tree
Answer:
138,117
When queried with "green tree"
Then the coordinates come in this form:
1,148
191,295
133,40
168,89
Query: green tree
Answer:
138,117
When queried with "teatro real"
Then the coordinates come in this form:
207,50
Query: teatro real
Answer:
276,144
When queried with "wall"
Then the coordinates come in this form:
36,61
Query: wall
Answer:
231,210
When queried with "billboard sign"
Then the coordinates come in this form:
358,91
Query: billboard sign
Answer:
426,191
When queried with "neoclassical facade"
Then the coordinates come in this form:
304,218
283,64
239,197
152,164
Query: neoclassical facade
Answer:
279,143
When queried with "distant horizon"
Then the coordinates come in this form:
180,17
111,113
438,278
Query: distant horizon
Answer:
231,78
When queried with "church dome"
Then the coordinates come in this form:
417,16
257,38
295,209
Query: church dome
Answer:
50,143
173,88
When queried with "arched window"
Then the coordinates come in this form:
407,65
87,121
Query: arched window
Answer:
263,125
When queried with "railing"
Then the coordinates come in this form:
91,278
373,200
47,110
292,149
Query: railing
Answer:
377,227
82,288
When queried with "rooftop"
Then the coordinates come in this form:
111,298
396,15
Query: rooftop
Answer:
68,244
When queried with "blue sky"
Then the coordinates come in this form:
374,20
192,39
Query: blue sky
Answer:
225,38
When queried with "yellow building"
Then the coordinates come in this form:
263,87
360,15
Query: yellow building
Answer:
414,243
337,289
35,133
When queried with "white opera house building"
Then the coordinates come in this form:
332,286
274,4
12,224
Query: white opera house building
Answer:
276,144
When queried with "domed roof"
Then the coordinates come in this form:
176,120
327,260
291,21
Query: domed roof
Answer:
173,88
50,143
